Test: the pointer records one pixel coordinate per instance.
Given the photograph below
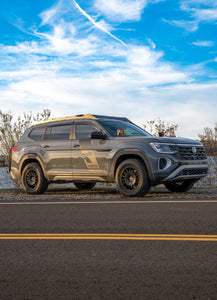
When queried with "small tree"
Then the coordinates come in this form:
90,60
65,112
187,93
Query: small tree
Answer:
157,126
209,140
11,131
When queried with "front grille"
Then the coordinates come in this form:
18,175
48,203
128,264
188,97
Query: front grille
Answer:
189,152
195,171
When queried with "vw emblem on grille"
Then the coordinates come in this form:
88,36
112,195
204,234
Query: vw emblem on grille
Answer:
194,150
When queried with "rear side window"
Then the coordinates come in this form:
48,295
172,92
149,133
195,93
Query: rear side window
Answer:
37,133
61,132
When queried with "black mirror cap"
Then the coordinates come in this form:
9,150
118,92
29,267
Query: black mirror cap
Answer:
97,135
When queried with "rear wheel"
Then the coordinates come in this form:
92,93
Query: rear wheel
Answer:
132,178
33,179
180,186
84,185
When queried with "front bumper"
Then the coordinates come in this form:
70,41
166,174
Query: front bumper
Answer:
184,172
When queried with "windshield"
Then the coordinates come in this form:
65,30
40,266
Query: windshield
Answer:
121,128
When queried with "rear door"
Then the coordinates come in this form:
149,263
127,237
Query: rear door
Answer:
57,147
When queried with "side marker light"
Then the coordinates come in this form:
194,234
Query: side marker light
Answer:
14,149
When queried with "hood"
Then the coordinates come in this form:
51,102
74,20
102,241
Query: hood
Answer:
171,140
168,140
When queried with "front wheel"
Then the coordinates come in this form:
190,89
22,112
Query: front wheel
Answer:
33,179
180,186
132,178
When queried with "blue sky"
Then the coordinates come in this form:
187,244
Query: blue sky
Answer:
144,59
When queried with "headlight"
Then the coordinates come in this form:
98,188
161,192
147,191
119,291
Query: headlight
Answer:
162,148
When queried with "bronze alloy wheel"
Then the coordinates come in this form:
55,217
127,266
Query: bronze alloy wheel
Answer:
33,179
132,178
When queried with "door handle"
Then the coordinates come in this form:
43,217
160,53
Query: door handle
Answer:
45,146
76,145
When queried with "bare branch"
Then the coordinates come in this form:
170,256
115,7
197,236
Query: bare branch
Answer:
11,131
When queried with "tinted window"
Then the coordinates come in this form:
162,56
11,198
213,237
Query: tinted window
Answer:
58,132
47,134
120,128
37,133
83,131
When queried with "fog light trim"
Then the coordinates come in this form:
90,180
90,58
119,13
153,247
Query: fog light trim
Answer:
164,163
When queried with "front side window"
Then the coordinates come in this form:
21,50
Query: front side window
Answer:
83,131
61,132
121,128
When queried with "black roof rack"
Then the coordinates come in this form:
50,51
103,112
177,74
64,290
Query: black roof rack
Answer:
108,117
84,116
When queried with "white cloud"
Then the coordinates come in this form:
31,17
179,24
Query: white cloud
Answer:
203,2
204,43
121,10
188,4
105,26
208,15
198,11
54,44
47,16
115,93
185,104
77,68
151,43
190,26
125,80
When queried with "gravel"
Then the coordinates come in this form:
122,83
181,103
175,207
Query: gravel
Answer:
104,193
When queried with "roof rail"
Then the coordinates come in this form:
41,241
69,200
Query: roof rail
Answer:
84,116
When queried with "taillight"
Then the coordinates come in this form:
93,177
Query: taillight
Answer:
15,148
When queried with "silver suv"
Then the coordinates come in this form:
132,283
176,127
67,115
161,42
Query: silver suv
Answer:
87,149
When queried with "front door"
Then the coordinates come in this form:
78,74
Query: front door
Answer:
89,160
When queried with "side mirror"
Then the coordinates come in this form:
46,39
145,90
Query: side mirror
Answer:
97,135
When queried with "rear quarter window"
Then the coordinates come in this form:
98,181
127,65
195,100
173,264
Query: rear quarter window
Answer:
37,133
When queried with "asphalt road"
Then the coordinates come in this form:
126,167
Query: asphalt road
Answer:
99,245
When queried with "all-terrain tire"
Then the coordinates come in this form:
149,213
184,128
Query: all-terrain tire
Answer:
33,179
132,178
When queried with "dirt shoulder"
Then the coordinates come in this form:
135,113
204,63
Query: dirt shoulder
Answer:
104,193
